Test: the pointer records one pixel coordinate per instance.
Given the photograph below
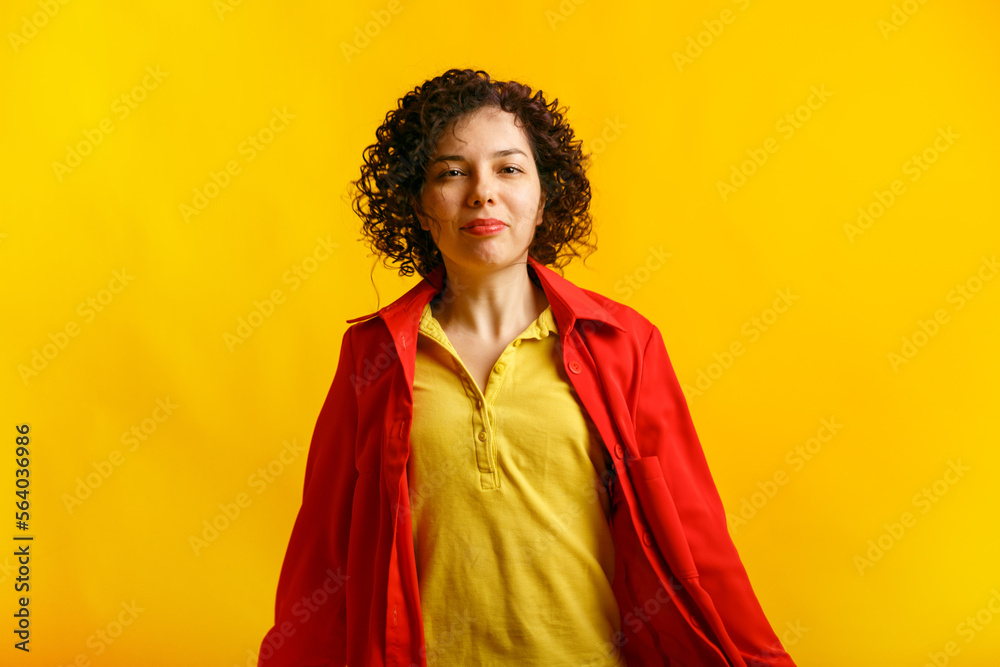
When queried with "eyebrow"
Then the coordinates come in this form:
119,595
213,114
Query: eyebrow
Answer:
460,158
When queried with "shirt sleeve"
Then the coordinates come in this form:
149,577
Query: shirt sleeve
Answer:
310,621
665,428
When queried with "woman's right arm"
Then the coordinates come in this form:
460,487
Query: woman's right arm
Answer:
310,614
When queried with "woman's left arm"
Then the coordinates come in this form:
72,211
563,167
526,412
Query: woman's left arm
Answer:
665,429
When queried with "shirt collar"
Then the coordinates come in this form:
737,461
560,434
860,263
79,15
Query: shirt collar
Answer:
568,302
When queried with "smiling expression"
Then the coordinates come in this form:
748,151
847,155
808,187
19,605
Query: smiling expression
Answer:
482,198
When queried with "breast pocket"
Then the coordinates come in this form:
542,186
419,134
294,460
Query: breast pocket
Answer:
664,523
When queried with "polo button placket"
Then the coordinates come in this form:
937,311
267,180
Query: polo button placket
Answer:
485,453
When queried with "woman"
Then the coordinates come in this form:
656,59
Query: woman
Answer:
504,470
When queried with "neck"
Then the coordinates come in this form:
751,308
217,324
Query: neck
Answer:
491,305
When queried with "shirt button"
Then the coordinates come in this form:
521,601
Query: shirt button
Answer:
482,435
574,366
479,404
646,538
499,368
619,452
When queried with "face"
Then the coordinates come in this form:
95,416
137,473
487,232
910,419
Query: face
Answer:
482,168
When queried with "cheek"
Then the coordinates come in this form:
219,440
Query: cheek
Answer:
442,199
527,200
432,202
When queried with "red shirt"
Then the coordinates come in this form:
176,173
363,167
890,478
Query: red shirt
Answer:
348,591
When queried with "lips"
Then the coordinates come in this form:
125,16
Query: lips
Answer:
484,227
484,222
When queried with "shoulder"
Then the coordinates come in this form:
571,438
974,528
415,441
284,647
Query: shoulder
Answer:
626,320
364,339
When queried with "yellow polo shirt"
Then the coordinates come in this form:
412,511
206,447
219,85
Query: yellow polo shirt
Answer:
514,553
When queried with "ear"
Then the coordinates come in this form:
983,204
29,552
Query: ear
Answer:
541,210
423,223
420,217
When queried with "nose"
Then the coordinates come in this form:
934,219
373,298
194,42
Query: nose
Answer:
481,190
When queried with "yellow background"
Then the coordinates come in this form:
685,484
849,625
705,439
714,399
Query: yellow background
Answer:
665,132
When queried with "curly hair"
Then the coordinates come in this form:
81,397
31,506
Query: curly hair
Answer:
394,170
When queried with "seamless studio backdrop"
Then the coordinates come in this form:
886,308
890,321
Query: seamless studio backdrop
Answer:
801,196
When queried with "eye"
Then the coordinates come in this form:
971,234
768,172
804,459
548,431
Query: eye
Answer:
514,168
445,173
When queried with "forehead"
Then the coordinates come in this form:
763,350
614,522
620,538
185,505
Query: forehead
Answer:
483,130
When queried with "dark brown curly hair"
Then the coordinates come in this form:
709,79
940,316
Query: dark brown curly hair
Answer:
394,172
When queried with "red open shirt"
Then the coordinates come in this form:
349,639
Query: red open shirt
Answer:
348,591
